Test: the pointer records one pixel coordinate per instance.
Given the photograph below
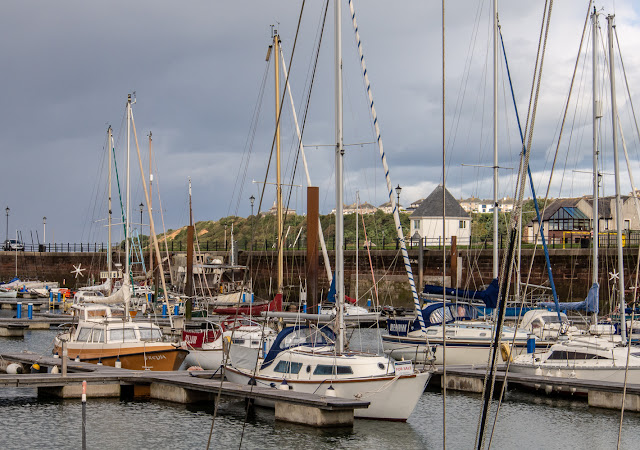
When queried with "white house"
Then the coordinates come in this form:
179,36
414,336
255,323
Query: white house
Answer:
427,219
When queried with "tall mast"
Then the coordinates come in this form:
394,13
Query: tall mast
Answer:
150,200
597,114
495,139
109,262
357,243
127,226
339,195
614,118
276,51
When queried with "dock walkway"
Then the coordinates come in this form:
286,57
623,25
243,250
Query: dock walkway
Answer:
176,386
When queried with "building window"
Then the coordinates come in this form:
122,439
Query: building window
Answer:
416,224
462,224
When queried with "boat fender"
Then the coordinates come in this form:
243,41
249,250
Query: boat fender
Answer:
118,364
284,386
252,382
55,370
35,368
331,392
14,369
505,351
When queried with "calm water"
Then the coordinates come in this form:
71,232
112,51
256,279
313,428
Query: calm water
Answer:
525,421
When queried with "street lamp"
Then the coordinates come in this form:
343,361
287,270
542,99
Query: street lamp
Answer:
398,190
44,226
7,210
141,209
252,199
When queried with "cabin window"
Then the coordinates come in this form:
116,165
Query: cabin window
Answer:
322,369
238,341
122,335
97,335
572,356
288,367
150,334
84,334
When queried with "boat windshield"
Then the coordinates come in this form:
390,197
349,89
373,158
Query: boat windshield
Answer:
436,315
305,336
150,334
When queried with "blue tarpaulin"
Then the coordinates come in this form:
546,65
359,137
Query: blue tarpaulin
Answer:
489,296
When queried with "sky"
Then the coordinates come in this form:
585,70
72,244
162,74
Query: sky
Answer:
197,69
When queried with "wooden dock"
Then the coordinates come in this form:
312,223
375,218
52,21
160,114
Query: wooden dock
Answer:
177,386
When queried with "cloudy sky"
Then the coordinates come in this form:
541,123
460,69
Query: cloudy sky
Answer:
197,69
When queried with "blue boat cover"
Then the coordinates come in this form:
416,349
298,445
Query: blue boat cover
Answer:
299,335
589,305
489,296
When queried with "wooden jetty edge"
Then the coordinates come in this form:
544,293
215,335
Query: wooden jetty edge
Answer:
177,386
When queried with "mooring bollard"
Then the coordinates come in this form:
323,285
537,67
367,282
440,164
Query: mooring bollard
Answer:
30,311
84,415
304,308
176,310
59,297
368,303
319,309
19,310
164,310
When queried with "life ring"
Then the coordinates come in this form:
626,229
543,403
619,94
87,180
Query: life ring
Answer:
505,352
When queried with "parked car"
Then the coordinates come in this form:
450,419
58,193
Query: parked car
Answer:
13,245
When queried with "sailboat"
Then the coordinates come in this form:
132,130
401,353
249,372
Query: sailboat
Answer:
309,359
594,357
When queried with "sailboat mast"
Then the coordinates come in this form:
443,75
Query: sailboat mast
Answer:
614,118
597,114
276,52
127,226
150,200
339,174
109,262
495,139
357,240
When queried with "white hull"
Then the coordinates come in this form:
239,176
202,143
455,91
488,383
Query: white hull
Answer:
382,392
207,359
458,352
8,294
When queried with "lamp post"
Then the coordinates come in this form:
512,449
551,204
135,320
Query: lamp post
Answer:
141,209
44,226
7,210
252,199
398,190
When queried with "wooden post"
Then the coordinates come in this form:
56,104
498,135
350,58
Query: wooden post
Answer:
454,262
312,247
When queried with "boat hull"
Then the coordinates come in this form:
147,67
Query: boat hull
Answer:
207,359
459,352
157,358
381,392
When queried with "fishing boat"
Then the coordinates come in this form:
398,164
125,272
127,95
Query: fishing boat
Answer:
306,358
99,336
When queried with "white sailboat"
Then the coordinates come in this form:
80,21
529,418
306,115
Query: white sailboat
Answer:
308,359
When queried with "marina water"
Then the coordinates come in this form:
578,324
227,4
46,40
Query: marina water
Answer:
538,420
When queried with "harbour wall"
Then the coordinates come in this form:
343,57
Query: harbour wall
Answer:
572,271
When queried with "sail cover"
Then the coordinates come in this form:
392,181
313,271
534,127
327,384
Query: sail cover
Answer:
489,295
589,305
122,295
104,287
